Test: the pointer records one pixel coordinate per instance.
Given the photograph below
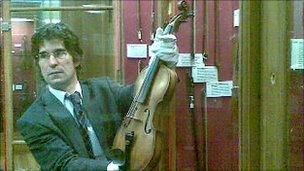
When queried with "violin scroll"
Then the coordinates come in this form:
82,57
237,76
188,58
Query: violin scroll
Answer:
176,20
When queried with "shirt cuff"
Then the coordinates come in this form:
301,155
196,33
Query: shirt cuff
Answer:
113,167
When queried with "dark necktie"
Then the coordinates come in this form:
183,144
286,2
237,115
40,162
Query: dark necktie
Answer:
82,120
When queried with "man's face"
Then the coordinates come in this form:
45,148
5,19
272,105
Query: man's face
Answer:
56,65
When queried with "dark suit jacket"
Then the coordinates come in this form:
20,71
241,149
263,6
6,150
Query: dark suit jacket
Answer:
52,134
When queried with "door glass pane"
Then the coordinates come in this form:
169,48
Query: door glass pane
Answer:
95,31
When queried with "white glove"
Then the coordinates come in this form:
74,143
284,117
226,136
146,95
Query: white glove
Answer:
113,167
165,48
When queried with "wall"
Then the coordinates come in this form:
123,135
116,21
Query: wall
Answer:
217,41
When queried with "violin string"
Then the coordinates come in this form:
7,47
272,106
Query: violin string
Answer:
132,109
133,106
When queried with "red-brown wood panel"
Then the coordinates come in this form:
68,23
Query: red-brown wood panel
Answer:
297,121
296,97
222,124
130,22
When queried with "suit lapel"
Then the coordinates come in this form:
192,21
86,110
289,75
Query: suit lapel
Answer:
64,120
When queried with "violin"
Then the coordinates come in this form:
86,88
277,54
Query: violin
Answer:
139,140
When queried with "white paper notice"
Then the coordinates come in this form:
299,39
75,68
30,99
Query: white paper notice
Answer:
236,18
219,89
137,50
18,45
198,61
17,87
150,53
204,74
184,60
297,53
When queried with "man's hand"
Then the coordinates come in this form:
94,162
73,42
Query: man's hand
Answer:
165,48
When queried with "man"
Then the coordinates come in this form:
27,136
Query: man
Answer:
71,126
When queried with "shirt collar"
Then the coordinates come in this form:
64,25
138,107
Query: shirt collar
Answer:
60,95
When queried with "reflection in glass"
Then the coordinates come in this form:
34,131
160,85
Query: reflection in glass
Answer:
95,30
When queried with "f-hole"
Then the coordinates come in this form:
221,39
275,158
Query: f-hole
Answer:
147,125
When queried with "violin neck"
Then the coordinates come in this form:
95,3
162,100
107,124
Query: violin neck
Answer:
148,81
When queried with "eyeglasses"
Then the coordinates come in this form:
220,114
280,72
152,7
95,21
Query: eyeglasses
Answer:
58,54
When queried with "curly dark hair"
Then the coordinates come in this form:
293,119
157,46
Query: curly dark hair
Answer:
61,32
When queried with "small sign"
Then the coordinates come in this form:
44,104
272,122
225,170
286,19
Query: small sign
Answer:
17,45
297,53
17,87
236,18
204,74
184,60
198,61
219,89
137,50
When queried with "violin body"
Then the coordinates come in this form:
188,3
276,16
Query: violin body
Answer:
145,121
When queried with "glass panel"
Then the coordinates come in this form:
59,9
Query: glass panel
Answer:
297,88
95,30
96,33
